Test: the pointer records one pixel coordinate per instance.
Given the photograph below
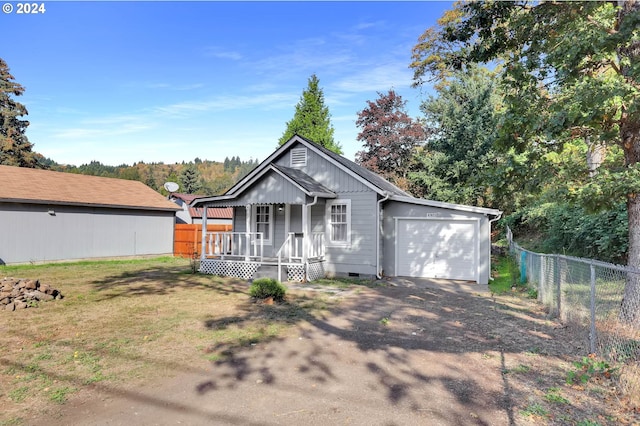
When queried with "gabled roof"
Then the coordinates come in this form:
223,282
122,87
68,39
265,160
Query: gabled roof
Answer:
299,179
375,182
23,185
364,173
312,187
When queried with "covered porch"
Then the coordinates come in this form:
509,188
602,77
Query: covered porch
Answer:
243,254
278,229
277,240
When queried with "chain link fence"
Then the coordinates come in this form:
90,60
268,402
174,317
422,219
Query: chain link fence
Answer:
588,296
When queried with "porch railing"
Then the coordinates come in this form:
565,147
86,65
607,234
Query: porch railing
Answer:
316,248
293,249
249,245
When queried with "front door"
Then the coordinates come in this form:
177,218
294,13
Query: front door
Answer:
295,219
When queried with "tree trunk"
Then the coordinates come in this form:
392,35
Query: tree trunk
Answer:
630,310
596,152
630,139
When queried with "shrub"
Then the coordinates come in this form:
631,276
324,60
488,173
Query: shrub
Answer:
263,288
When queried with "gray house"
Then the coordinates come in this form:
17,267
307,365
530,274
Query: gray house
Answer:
50,216
311,213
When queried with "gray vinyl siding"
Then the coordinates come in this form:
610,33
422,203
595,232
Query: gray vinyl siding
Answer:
30,234
317,216
360,256
325,172
271,188
397,209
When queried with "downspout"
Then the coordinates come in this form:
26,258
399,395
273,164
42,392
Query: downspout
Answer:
490,222
379,234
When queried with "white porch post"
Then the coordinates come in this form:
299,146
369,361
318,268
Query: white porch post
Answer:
247,231
203,254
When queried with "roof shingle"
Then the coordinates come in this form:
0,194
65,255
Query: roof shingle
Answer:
18,184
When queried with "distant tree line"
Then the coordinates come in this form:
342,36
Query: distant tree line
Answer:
200,177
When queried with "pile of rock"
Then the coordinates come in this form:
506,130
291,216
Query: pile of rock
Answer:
16,293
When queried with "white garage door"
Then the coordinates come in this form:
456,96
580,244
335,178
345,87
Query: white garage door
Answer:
433,248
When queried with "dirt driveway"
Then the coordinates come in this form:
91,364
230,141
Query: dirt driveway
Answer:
398,354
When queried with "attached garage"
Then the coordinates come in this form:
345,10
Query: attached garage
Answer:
437,248
429,239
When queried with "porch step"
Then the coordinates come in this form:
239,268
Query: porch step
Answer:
271,271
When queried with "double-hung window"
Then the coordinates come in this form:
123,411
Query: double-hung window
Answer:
263,221
338,222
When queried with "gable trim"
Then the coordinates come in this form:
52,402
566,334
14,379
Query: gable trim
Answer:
298,139
345,169
246,186
449,206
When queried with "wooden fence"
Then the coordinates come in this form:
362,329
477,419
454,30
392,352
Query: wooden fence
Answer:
188,238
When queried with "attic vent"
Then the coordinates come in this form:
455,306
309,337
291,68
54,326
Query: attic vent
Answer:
298,157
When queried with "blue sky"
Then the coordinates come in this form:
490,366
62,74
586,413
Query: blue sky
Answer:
122,82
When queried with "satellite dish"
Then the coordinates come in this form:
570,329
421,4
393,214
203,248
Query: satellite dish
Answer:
171,186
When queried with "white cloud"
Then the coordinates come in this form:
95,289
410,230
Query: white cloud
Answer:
222,53
225,103
378,78
99,127
183,87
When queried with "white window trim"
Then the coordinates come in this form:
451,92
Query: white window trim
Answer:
267,239
330,203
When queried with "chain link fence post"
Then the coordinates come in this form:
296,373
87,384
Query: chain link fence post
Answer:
556,271
592,310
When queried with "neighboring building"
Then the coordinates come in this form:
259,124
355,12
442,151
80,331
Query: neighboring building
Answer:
51,216
313,212
193,215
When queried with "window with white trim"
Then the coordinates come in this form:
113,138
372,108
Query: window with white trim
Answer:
263,221
338,213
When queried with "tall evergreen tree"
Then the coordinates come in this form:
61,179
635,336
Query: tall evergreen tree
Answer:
312,119
15,148
190,179
462,121
389,138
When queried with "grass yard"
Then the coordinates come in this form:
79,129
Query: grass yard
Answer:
122,322
505,274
